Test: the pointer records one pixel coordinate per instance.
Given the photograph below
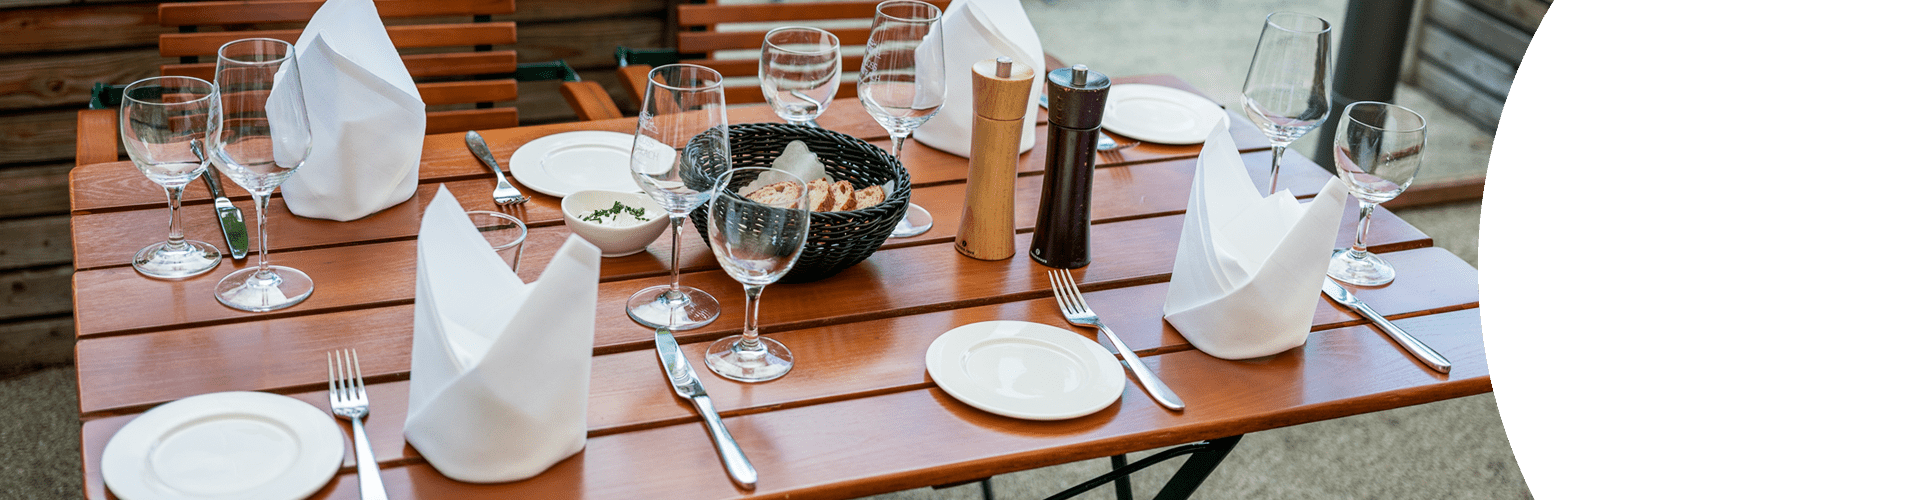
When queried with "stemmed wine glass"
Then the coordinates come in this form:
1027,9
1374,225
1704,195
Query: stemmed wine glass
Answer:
903,81
1377,152
262,137
1286,88
162,123
799,72
756,241
682,101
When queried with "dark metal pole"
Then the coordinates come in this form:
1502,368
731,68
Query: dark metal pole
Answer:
1368,65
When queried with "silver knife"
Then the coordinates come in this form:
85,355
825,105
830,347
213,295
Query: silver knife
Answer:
687,385
1420,350
231,223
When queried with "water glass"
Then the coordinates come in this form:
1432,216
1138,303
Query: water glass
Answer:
682,128
163,123
262,137
1377,153
757,240
799,72
1286,89
903,81
505,233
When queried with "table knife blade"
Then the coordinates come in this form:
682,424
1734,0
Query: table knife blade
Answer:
1419,349
231,224
687,385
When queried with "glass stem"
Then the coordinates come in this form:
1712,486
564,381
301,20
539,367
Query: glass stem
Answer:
898,139
260,208
1360,236
750,338
676,220
1278,151
176,235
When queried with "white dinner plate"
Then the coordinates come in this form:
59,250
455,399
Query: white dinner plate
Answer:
1025,370
1159,114
563,163
225,445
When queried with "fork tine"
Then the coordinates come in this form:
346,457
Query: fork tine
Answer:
1057,293
333,396
1079,301
359,381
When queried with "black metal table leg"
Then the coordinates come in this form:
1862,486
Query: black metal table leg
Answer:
1123,485
1206,456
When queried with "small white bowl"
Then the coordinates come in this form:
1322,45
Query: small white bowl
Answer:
614,241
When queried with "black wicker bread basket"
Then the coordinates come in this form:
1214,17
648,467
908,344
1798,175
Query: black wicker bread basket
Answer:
835,240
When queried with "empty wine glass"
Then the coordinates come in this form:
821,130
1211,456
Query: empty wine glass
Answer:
756,241
1377,152
262,137
682,102
1286,88
799,72
162,123
903,81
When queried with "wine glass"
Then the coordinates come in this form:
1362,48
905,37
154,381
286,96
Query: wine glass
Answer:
756,241
903,81
1286,88
799,72
261,138
1377,153
682,101
162,123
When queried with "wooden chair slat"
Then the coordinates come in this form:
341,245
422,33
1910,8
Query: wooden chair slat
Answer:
589,100
441,122
498,62
404,37
709,41
708,15
247,12
469,92
849,65
97,140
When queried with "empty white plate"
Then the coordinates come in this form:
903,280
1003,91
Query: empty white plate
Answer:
1159,114
1025,370
563,163
225,445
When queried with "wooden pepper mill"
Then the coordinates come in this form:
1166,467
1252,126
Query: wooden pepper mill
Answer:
1002,90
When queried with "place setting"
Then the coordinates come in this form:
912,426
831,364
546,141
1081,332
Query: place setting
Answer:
497,381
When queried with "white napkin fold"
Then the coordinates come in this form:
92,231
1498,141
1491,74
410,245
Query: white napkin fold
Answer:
977,30
500,367
367,117
1246,277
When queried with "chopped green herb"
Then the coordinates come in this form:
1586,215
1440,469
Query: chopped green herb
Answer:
600,216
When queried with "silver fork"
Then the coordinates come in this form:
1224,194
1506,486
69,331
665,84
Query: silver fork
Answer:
503,193
347,390
1066,294
1109,150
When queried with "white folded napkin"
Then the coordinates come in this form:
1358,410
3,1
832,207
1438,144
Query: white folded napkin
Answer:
974,31
500,367
367,117
1246,277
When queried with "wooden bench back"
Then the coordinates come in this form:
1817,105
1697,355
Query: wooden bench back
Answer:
698,31
473,78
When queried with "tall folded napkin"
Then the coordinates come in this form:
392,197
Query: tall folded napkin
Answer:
500,367
1247,273
973,31
367,117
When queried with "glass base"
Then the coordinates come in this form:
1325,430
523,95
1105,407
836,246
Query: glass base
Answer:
725,358
916,223
279,287
191,259
1359,268
662,307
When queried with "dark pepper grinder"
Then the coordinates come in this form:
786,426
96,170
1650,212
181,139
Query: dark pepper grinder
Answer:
1076,101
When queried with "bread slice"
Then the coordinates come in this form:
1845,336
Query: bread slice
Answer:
780,194
820,195
843,196
868,197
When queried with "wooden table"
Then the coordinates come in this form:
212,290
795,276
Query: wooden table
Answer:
858,416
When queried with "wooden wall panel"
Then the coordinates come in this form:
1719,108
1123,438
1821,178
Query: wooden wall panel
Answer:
66,80
36,292
28,190
35,344
37,136
80,27
587,44
531,11
36,241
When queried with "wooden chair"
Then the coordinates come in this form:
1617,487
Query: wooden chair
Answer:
698,39
471,78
